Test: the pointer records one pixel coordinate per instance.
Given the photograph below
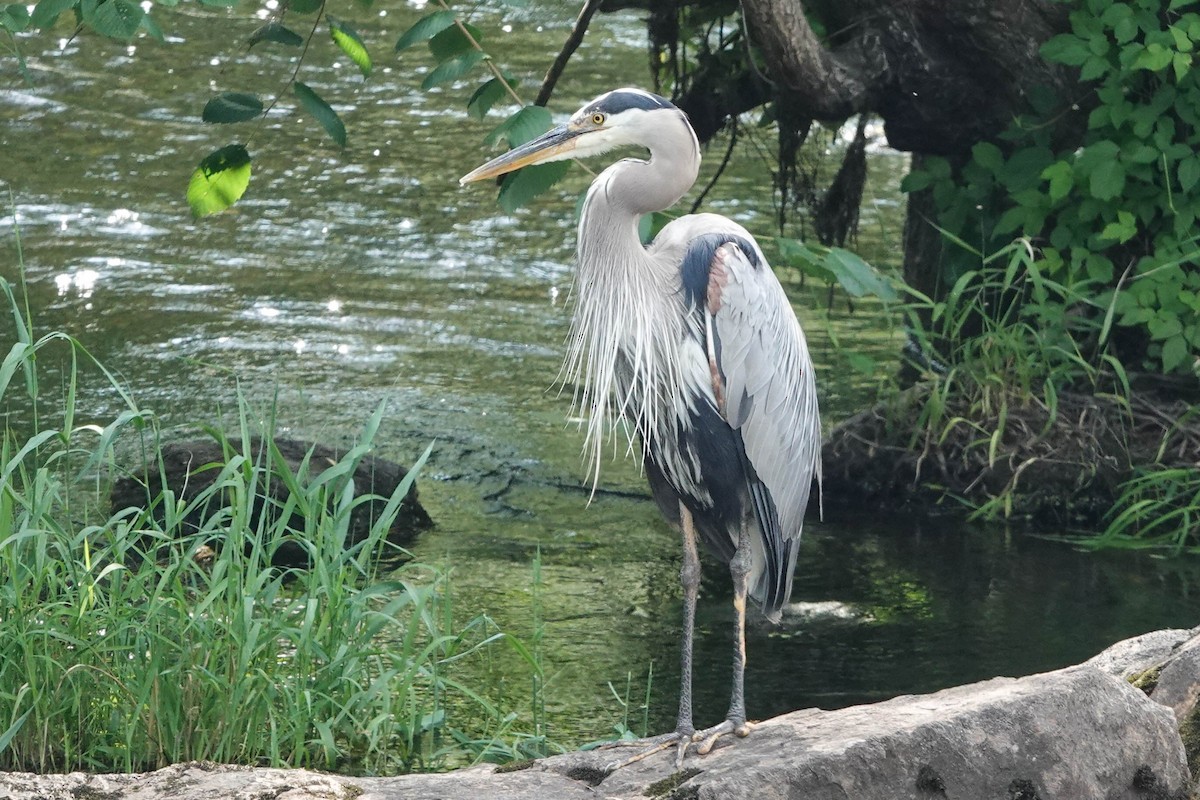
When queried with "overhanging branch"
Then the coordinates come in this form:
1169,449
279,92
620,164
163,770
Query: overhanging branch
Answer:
827,86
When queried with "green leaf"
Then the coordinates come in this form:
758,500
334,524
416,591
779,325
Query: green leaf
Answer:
46,12
305,6
1164,326
523,126
274,32
1182,63
14,17
1107,180
861,363
1025,166
351,44
915,181
14,729
219,181
938,167
988,156
1061,180
1174,353
151,28
425,28
315,105
795,253
1189,172
1125,29
1122,230
857,277
116,19
452,70
232,107
1066,48
454,41
649,225
525,184
1155,58
488,95
1010,220
1182,43
1095,67
1099,268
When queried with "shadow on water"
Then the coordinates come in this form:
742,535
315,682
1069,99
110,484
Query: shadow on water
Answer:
348,277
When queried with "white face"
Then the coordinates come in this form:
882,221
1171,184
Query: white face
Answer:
601,131
593,130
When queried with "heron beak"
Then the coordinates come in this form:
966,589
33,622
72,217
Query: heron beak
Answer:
553,145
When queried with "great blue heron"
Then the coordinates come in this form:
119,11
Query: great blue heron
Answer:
691,343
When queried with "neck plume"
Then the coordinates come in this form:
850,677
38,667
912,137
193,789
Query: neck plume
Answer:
621,352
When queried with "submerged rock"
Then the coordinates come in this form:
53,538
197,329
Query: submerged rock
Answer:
1079,733
190,469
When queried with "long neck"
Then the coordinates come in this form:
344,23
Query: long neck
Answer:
624,320
609,246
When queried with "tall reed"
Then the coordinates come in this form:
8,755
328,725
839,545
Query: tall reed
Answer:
129,640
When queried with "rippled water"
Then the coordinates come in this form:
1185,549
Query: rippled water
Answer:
349,278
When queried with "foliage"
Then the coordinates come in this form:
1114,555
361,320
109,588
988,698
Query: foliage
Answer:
129,641
1159,508
836,265
1004,346
457,49
223,176
1108,197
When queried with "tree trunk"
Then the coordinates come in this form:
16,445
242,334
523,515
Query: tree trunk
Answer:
942,74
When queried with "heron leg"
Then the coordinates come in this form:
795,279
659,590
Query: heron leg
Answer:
735,720
689,576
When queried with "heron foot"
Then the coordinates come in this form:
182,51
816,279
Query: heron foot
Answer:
708,737
679,739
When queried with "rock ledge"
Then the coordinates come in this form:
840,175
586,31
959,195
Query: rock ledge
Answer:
1081,733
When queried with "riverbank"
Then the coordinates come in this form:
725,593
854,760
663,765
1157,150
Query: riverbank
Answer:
1056,467
1107,728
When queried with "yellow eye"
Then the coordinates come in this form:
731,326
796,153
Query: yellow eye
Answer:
597,119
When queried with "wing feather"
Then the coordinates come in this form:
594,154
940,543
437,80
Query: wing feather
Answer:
769,382
762,386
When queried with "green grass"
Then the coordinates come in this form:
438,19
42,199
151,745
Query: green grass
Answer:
1011,341
129,641
1158,508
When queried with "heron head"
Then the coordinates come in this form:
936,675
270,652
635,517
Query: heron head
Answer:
620,117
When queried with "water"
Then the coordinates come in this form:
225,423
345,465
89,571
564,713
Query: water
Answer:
349,278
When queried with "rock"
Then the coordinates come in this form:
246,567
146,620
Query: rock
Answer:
187,470
1074,734
1166,666
1132,657
1178,683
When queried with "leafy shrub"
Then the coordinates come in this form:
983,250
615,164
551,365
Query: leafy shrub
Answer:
1103,183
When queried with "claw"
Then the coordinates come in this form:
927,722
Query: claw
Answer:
708,737
656,744
704,740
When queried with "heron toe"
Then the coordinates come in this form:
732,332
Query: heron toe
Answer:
708,737
679,739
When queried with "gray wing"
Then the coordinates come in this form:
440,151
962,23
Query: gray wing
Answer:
770,394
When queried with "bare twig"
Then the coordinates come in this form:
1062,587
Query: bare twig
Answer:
733,135
262,118
590,7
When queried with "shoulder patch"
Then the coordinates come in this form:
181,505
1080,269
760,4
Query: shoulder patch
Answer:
698,260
